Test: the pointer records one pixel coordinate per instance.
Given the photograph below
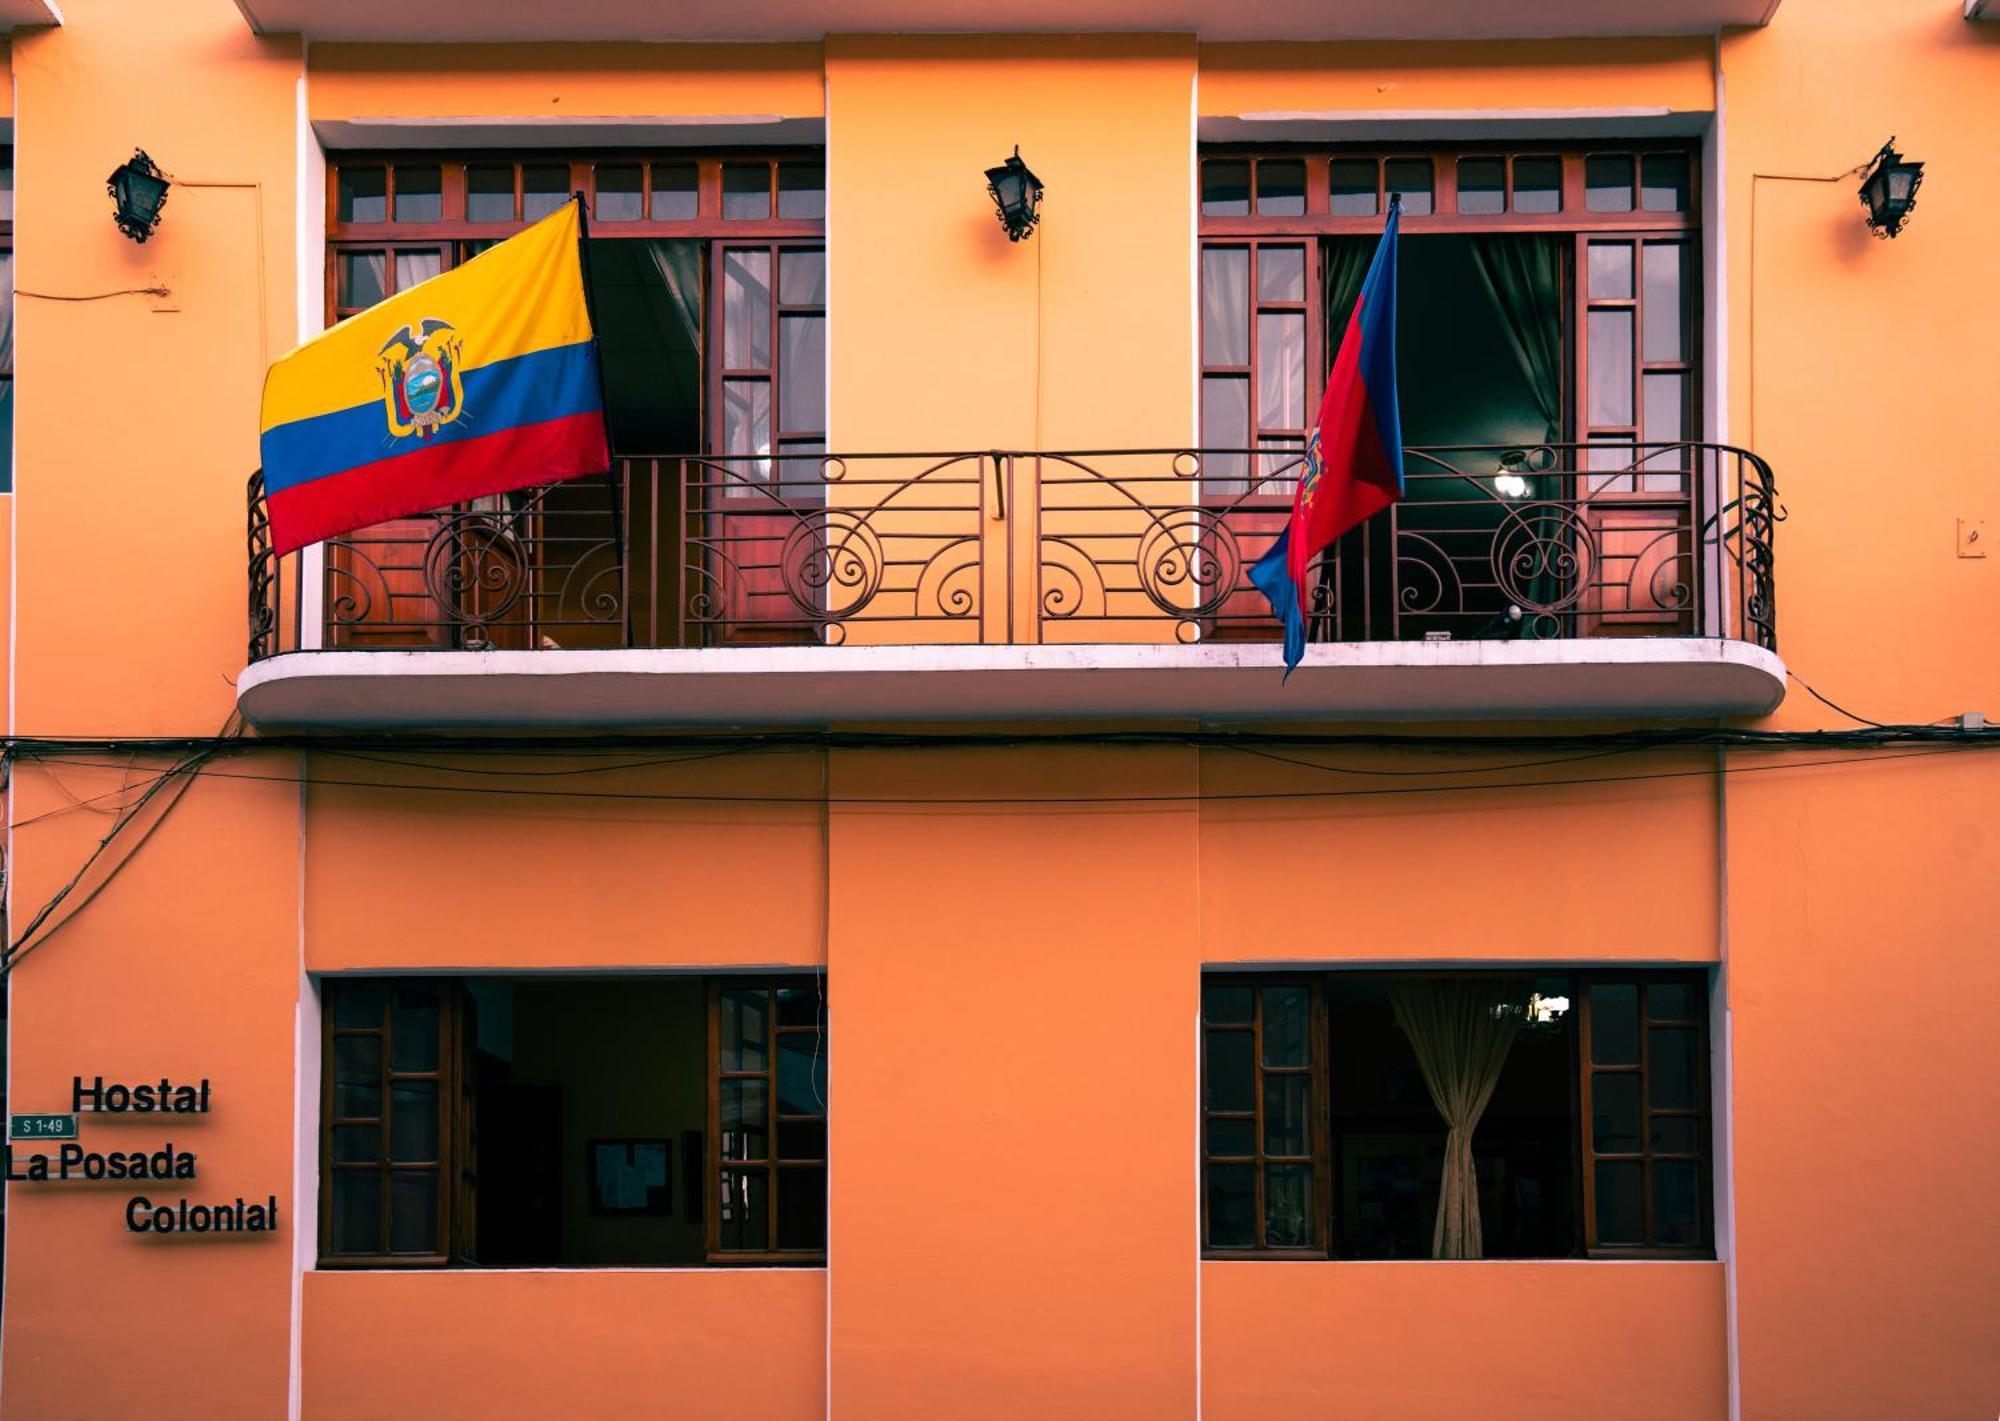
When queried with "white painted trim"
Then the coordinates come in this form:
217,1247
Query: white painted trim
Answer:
1358,125
310,256
1587,677
535,131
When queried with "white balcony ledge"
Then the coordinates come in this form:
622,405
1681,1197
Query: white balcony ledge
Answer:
1644,678
397,22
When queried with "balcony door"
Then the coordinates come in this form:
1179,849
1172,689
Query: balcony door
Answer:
592,562
1548,398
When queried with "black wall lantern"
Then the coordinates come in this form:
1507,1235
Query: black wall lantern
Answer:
1889,192
1017,192
139,189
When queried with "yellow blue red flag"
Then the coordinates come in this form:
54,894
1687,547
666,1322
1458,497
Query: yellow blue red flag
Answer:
478,381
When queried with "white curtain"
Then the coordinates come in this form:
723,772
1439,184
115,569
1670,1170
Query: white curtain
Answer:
1461,1029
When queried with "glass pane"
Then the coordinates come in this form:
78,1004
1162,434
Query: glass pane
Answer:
1225,424
489,192
1286,1015
6,189
1611,367
801,190
619,195
413,1029
746,423
1232,1137
746,1028
413,1121
357,1211
1281,188
800,1006
744,1211
802,1208
415,267
364,278
1281,370
1287,1205
1614,457
801,1074
746,308
357,1004
746,190
1607,183
1611,270
1287,1122
1221,1003
1412,178
1225,188
745,1120
1351,192
802,1139
1538,185
357,1077
1673,1068
802,363
1231,1081
1672,1001
676,192
419,192
802,278
1232,1206
1676,1202
1666,404
1281,273
1621,1205
363,194
544,188
1614,1024
1675,1135
1663,182
1664,332
413,1211
1225,306
1616,1119
1482,185
357,1144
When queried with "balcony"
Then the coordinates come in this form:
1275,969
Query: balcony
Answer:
1552,581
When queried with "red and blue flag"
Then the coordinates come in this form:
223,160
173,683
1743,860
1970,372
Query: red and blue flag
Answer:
1354,455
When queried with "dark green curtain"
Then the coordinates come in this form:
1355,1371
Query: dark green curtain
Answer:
1522,274
1343,264
648,299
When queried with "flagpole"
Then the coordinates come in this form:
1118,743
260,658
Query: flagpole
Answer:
604,406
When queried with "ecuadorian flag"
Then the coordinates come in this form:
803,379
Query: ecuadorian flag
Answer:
475,382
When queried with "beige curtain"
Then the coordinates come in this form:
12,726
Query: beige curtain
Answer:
1461,1029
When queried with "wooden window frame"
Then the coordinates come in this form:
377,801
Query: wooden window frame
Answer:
1702,1113
456,1199
1583,1157
773,1166
1574,219
717,373
1319,1157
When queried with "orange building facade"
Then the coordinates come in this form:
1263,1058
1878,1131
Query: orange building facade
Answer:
501,890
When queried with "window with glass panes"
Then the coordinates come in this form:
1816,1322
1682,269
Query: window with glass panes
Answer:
1631,224
396,220
1322,1136
767,1106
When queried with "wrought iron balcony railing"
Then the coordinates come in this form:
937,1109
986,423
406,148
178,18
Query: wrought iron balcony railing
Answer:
1011,547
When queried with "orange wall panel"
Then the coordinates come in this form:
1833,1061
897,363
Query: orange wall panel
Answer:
1590,1341
1487,864
564,81
1260,78
747,1344
1013,997
641,868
